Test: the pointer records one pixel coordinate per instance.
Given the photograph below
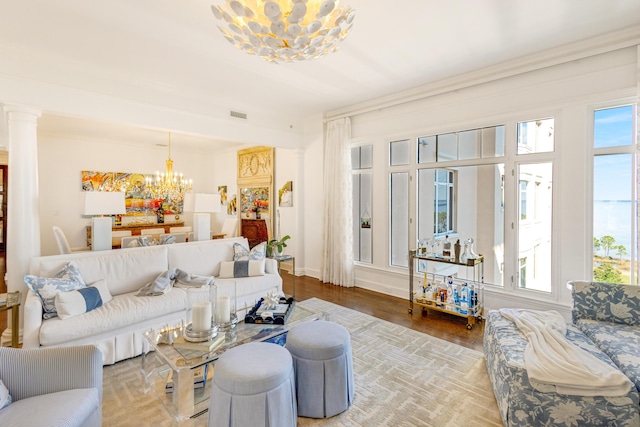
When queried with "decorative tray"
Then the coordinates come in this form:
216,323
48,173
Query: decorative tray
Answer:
275,316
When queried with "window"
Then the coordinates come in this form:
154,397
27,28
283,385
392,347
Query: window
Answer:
534,225
399,153
361,162
535,136
523,272
473,209
399,219
535,194
464,145
443,201
523,200
615,196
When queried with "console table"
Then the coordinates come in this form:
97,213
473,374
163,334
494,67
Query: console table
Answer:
12,303
136,229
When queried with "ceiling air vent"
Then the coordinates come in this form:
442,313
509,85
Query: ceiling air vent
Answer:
238,115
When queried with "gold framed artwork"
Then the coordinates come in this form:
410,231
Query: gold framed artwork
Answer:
255,184
285,195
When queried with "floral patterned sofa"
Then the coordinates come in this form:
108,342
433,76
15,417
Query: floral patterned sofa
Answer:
609,314
606,323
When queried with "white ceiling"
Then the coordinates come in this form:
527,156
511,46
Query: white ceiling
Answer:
174,46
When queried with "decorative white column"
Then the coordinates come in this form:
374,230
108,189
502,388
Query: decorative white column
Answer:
298,197
23,218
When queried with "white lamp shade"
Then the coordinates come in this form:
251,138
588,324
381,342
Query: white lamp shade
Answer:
104,203
201,202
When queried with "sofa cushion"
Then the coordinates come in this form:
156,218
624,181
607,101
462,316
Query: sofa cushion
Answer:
123,310
247,268
64,408
609,302
69,304
202,258
46,288
620,342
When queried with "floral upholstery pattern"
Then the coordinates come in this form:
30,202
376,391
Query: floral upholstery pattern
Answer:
522,405
46,288
608,302
620,342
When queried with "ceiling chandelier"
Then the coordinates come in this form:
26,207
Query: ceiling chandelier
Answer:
168,185
285,30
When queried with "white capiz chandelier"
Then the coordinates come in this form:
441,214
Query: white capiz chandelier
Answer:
285,30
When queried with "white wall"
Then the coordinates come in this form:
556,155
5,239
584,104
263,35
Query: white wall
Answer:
60,162
568,92
313,198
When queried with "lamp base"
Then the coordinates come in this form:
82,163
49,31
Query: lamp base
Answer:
101,234
201,226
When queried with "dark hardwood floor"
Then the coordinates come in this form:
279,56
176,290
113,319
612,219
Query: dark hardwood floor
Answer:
442,325
395,310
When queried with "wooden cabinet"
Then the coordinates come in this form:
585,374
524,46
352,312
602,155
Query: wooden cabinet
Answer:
255,230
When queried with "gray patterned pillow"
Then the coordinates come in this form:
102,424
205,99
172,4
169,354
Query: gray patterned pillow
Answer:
46,288
240,253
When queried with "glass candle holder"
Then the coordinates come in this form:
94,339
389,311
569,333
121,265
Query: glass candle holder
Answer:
225,315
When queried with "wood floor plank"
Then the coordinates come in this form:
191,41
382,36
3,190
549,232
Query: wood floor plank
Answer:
438,324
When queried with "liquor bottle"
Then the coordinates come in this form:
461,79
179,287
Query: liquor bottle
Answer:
464,299
446,248
473,297
160,213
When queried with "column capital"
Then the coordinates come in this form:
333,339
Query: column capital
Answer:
21,112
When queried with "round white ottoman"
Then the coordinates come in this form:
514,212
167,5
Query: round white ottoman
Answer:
321,352
253,385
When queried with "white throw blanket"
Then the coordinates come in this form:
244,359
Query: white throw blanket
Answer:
554,364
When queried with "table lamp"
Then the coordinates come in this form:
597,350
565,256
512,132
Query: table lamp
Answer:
99,204
201,205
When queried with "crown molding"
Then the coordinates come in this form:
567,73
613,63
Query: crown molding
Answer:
616,40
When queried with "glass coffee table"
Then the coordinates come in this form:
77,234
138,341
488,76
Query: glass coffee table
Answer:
180,366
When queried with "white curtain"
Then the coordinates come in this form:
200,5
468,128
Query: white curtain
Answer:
337,252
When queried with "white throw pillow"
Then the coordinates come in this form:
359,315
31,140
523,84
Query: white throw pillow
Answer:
69,304
230,269
5,397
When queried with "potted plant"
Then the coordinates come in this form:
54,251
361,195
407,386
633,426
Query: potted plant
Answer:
275,246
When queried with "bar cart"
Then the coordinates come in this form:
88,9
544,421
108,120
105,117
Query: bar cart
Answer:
471,310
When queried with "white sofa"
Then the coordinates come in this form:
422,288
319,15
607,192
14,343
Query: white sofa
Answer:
117,327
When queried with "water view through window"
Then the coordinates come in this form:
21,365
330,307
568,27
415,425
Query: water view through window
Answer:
614,196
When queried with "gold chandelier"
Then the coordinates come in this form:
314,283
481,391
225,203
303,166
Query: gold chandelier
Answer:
168,185
285,30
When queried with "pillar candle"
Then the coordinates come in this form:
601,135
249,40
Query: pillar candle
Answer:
223,310
201,316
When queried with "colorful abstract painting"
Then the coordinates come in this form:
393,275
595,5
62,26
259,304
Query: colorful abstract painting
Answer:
139,199
254,201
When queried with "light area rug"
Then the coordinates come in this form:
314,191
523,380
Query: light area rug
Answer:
402,378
